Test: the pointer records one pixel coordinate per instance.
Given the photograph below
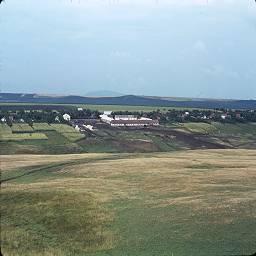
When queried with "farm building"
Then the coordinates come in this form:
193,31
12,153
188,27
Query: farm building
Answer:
125,117
106,119
57,119
86,121
223,117
128,120
66,117
84,124
3,120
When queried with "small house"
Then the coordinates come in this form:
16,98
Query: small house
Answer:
66,117
57,119
3,120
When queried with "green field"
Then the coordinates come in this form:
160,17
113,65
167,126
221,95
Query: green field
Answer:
222,128
102,107
42,127
19,133
24,136
204,128
21,128
193,203
5,130
39,131
67,131
60,138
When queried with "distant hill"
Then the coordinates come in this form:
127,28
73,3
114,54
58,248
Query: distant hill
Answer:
103,93
128,100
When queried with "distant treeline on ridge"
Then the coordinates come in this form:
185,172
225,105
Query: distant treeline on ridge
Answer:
128,100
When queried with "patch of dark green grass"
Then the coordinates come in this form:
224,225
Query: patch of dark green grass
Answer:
182,230
61,223
56,144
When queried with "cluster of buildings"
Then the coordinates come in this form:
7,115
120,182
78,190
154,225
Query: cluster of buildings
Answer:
127,120
84,124
114,121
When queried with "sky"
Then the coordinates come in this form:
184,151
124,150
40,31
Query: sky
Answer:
186,48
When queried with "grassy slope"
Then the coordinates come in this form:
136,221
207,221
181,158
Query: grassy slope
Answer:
64,139
238,135
247,129
68,131
187,203
52,223
101,107
44,138
19,132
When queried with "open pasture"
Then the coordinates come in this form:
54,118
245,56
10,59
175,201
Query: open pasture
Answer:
67,131
39,131
199,202
222,129
6,134
5,130
21,128
42,127
23,137
101,108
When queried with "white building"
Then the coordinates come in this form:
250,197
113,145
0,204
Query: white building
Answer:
125,117
106,119
89,127
57,119
66,117
128,120
223,117
3,119
77,128
107,113
80,109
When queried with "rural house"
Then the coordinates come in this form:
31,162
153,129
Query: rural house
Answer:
66,117
128,120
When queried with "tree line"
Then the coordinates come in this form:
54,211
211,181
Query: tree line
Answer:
166,116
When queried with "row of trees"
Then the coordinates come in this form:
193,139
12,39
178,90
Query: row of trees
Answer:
197,115
172,115
45,116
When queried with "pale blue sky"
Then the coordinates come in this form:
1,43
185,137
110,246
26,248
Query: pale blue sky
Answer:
169,48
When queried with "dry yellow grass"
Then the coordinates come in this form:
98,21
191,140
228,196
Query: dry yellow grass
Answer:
191,174
216,187
10,162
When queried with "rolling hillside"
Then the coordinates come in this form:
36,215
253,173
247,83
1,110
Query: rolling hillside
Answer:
193,203
128,100
62,139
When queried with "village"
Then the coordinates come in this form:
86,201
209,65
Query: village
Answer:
110,120
79,115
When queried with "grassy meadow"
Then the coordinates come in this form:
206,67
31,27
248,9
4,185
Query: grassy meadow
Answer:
43,138
19,133
100,107
199,202
68,131
224,129
40,138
